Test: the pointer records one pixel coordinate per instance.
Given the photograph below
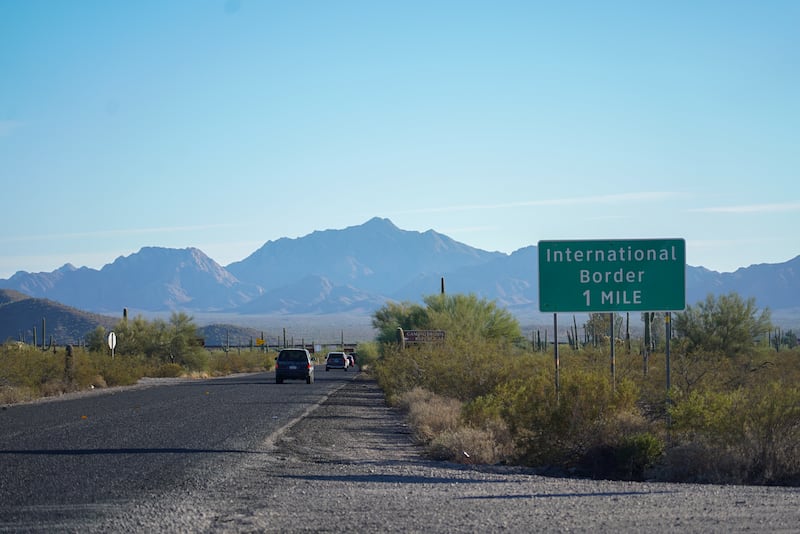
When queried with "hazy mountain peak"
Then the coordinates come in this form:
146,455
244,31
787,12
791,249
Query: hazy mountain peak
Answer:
372,256
355,268
380,222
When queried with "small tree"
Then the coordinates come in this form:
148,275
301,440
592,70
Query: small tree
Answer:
96,340
182,345
726,325
468,317
461,316
396,315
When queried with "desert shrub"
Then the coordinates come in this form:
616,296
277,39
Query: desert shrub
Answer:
219,364
29,367
223,363
83,372
627,459
697,462
397,372
456,369
195,359
367,355
122,370
27,372
169,370
437,423
551,430
742,436
637,453
734,407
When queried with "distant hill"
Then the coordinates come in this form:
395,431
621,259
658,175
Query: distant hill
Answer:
20,315
375,257
312,295
8,296
776,286
152,279
354,271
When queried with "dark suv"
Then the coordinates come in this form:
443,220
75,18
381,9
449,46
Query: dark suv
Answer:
294,364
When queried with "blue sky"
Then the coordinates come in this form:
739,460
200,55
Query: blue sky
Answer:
223,124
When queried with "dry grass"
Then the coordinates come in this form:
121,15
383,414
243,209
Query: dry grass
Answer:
437,422
28,373
474,446
14,395
429,414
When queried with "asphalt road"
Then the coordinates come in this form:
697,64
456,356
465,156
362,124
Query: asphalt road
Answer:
243,454
69,459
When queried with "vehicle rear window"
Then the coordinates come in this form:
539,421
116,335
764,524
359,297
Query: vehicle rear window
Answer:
293,356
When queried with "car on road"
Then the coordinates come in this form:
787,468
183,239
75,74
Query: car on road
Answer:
337,360
294,364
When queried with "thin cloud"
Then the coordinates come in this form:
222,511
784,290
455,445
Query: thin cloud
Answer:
751,208
114,233
569,201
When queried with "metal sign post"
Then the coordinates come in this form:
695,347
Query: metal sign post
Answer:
612,276
555,357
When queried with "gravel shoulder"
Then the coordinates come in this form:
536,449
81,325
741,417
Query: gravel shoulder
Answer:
350,465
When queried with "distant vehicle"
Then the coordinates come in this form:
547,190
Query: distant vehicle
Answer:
336,360
294,364
352,358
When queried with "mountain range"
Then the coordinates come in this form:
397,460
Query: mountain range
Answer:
354,270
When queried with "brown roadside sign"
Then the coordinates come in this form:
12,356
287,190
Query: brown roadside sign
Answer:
423,336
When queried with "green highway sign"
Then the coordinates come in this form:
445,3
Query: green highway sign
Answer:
611,276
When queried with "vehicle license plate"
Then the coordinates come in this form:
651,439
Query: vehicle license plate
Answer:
292,367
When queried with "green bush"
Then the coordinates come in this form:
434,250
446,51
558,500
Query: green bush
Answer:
31,367
27,372
457,369
169,370
84,372
511,396
366,355
123,370
731,418
196,360
637,453
398,371
740,436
